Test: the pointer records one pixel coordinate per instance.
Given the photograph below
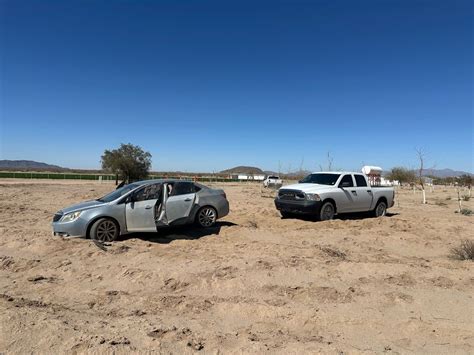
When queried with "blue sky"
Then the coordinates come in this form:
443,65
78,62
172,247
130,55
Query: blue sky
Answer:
205,86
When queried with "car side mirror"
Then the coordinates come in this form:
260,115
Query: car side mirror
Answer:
345,184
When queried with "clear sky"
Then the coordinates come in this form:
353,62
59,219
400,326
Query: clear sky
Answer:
206,86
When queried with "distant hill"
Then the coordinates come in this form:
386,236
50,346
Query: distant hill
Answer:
29,165
443,173
243,170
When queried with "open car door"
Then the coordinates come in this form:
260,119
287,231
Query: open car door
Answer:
140,212
178,205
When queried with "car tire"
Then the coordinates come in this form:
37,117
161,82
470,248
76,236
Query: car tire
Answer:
380,209
327,211
206,217
104,230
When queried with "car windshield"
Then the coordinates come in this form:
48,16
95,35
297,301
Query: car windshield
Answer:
321,178
117,193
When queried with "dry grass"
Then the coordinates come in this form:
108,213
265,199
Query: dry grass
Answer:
465,251
467,212
334,253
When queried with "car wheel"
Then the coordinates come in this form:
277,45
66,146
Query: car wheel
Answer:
381,209
104,230
327,211
206,217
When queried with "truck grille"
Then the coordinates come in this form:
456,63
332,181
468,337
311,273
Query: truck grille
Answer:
291,195
57,217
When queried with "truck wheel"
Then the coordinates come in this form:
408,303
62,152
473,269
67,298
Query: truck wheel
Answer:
381,209
327,211
285,214
104,230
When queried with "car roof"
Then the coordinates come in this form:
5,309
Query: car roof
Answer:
161,181
157,181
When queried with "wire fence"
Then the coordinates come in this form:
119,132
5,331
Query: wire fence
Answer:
104,177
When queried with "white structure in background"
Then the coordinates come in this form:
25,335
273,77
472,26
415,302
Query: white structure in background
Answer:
386,182
428,181
374,174
248,177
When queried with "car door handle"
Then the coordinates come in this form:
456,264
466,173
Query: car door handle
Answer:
369,191
354,192
147,207
187,200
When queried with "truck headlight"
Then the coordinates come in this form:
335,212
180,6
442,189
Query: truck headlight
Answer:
313,197
71,216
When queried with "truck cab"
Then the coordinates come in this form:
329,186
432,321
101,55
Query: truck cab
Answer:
272,181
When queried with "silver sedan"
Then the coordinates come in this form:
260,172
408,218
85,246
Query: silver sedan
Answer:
143,206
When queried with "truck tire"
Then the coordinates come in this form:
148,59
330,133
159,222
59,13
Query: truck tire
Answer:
104,230
327,211
285,214
380,209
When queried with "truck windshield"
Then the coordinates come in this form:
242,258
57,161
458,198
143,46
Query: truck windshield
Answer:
117,193
321,179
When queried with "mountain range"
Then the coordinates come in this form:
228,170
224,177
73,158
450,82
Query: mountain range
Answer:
31,165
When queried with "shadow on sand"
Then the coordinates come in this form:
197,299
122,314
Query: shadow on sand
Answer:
342,217
167,235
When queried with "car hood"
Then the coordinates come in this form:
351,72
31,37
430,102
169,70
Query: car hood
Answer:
82,206
308,188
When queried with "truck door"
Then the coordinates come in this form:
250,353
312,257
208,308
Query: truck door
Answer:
344,196
140,211
363,194
180,202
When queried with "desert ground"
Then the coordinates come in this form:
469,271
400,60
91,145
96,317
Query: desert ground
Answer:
256,283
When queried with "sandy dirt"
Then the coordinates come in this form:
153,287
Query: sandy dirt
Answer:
256,283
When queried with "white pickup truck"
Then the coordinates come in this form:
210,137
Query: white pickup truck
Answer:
325,194
272,181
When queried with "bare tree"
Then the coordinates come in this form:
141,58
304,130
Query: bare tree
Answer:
330,161
301,165
421,159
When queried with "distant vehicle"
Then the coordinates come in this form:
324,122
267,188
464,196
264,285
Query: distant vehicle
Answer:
143,206
272,181
325,194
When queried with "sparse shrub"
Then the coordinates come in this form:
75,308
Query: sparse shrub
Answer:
334,252
467,212
465,251
253,224
466,198
448,198
440,203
